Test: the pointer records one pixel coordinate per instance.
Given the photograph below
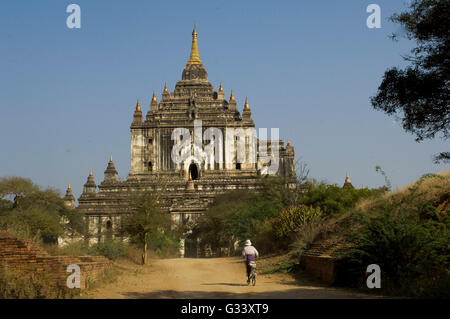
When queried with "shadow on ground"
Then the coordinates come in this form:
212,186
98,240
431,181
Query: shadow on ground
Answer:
224,284
299,293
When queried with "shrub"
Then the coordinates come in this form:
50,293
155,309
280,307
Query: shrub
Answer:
164,245
294,219
413,254
336,201
298,226
111,249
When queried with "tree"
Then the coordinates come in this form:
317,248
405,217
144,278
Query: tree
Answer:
28,211
147,218
419,94
239,215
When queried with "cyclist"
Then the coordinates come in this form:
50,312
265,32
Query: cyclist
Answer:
250,254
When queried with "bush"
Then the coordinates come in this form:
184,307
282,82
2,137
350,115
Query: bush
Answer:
164,245
111,249
295,219
336,201
298,227
413,254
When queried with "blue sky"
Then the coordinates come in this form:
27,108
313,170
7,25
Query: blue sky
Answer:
308,67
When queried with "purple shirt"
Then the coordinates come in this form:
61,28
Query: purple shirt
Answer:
250,253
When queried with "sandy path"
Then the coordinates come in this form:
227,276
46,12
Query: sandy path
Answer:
210,278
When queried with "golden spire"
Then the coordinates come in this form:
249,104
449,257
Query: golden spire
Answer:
195,57
154,97
232,96
110,159
69,187
90,173
138,106
362,186
289,143
246,106
165,88
220,88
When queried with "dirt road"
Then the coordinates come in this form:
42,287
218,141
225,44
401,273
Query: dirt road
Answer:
209,278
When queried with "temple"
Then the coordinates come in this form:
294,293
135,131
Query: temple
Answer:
348,182
197,142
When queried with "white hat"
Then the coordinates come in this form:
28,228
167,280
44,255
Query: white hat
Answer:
248,242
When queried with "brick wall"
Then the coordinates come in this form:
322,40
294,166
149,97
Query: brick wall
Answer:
27,256
319,262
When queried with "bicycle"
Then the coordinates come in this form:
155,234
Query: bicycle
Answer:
252,277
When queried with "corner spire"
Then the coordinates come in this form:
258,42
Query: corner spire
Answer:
195,57
69,200
220,88
231,96
138,106
154,97
246,105
165,88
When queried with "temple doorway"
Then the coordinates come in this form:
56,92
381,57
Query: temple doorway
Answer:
193,171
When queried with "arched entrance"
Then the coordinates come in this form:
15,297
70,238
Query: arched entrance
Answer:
193,171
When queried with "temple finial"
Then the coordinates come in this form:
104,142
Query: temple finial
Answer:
154,97
232,96
138,106
165,88
246,105
195,57
69,187
110,159
289,143
220,88
90,172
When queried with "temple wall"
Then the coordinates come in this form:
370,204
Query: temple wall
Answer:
137,151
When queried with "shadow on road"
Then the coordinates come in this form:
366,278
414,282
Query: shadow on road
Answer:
299,293
224,284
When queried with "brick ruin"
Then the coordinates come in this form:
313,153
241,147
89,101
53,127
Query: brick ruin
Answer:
198,179
26,256
320,262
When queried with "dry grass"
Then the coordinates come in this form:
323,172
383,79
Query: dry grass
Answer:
133,254
74,249
429,189
434,188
